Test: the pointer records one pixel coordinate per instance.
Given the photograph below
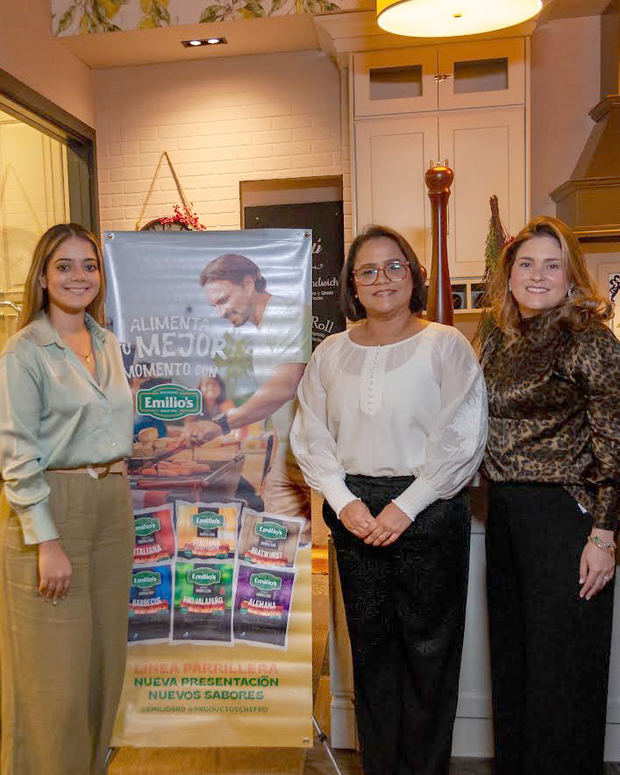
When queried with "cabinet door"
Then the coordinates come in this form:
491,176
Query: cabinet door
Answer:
486,150
401,81
392,155
482,74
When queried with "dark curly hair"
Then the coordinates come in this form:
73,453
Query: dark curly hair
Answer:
349,303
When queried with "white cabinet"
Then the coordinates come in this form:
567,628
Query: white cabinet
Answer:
481,75
473,726
486,150
402,81
460,75
463,103
392,157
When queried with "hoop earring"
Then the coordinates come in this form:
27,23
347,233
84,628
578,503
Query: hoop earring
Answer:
509,286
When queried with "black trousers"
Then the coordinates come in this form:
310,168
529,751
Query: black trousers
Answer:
405,607
549,648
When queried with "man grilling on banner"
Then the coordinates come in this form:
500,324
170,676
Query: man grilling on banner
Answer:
237,290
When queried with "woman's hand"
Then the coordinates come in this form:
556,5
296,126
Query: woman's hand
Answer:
389,526
357,519
597,566
54,571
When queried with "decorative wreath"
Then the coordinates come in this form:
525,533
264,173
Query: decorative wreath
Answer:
184,218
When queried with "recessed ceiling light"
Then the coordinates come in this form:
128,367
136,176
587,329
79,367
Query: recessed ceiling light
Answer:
203,42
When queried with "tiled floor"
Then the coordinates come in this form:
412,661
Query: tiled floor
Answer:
318,763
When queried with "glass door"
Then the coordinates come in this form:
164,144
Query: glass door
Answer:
46,177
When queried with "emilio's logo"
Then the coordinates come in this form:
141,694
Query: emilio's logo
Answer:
168,402
271,530
204,576
146,526
265,582
208,520
145,579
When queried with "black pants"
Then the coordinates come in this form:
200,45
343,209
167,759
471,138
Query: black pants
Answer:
549,648
405,607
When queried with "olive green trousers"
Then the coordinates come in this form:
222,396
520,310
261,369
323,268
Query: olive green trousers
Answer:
61,667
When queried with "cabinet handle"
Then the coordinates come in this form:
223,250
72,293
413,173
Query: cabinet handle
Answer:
442,76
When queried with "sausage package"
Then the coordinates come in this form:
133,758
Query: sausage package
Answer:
207,530
203,602
263,605
154,534
270,540
150,603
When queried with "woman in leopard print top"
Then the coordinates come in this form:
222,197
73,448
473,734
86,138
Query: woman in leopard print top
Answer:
553,460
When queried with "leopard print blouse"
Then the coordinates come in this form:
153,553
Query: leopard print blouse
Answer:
554,412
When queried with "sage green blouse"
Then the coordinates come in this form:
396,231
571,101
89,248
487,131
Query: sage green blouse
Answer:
54,414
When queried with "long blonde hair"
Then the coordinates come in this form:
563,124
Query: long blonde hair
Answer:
35,297
582,306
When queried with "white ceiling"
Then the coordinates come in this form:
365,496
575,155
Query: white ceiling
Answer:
334,33
140,47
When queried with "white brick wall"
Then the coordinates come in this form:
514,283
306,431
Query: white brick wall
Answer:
222,121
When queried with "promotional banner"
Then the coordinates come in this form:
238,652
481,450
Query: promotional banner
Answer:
326,221
215,329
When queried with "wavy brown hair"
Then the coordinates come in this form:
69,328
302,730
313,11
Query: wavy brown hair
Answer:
581,307
35,297
234,268
349,303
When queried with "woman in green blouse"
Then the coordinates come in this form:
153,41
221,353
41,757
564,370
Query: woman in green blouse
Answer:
66,528
552,369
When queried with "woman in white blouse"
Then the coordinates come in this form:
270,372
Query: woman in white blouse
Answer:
391,426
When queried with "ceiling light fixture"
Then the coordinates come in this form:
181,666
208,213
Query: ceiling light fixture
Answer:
450,18
204,42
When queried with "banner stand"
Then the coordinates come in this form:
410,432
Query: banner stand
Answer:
211,324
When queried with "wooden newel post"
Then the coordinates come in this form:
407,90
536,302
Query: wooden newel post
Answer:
439,306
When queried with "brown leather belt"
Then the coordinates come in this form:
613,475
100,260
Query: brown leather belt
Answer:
95,470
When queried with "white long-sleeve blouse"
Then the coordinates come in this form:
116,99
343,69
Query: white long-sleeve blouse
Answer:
417,407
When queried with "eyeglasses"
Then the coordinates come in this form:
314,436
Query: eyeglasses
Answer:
395,271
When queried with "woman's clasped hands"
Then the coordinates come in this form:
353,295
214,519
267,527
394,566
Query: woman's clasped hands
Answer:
381,530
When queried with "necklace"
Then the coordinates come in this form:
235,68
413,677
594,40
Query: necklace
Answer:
83,336
86,357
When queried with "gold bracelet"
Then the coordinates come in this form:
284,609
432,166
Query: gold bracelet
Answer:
605,546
